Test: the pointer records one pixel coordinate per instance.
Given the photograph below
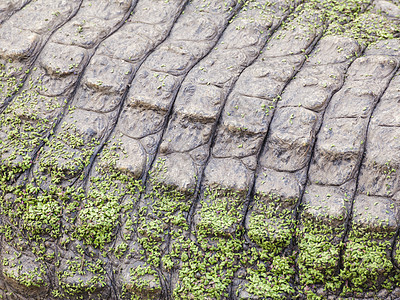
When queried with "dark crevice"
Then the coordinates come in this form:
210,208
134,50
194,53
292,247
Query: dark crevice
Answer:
123,100
322,117
349,218
166,275
59,117
63,113
170,109
349,117
6,103
169,114
393,246
165,280
113,291
251,194
388,126
298,207
361,159
197,193
99,149
218,121
14,11
8,100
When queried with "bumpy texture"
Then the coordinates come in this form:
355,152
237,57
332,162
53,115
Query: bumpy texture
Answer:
202,149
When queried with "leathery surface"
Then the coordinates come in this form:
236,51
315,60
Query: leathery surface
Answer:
199,149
